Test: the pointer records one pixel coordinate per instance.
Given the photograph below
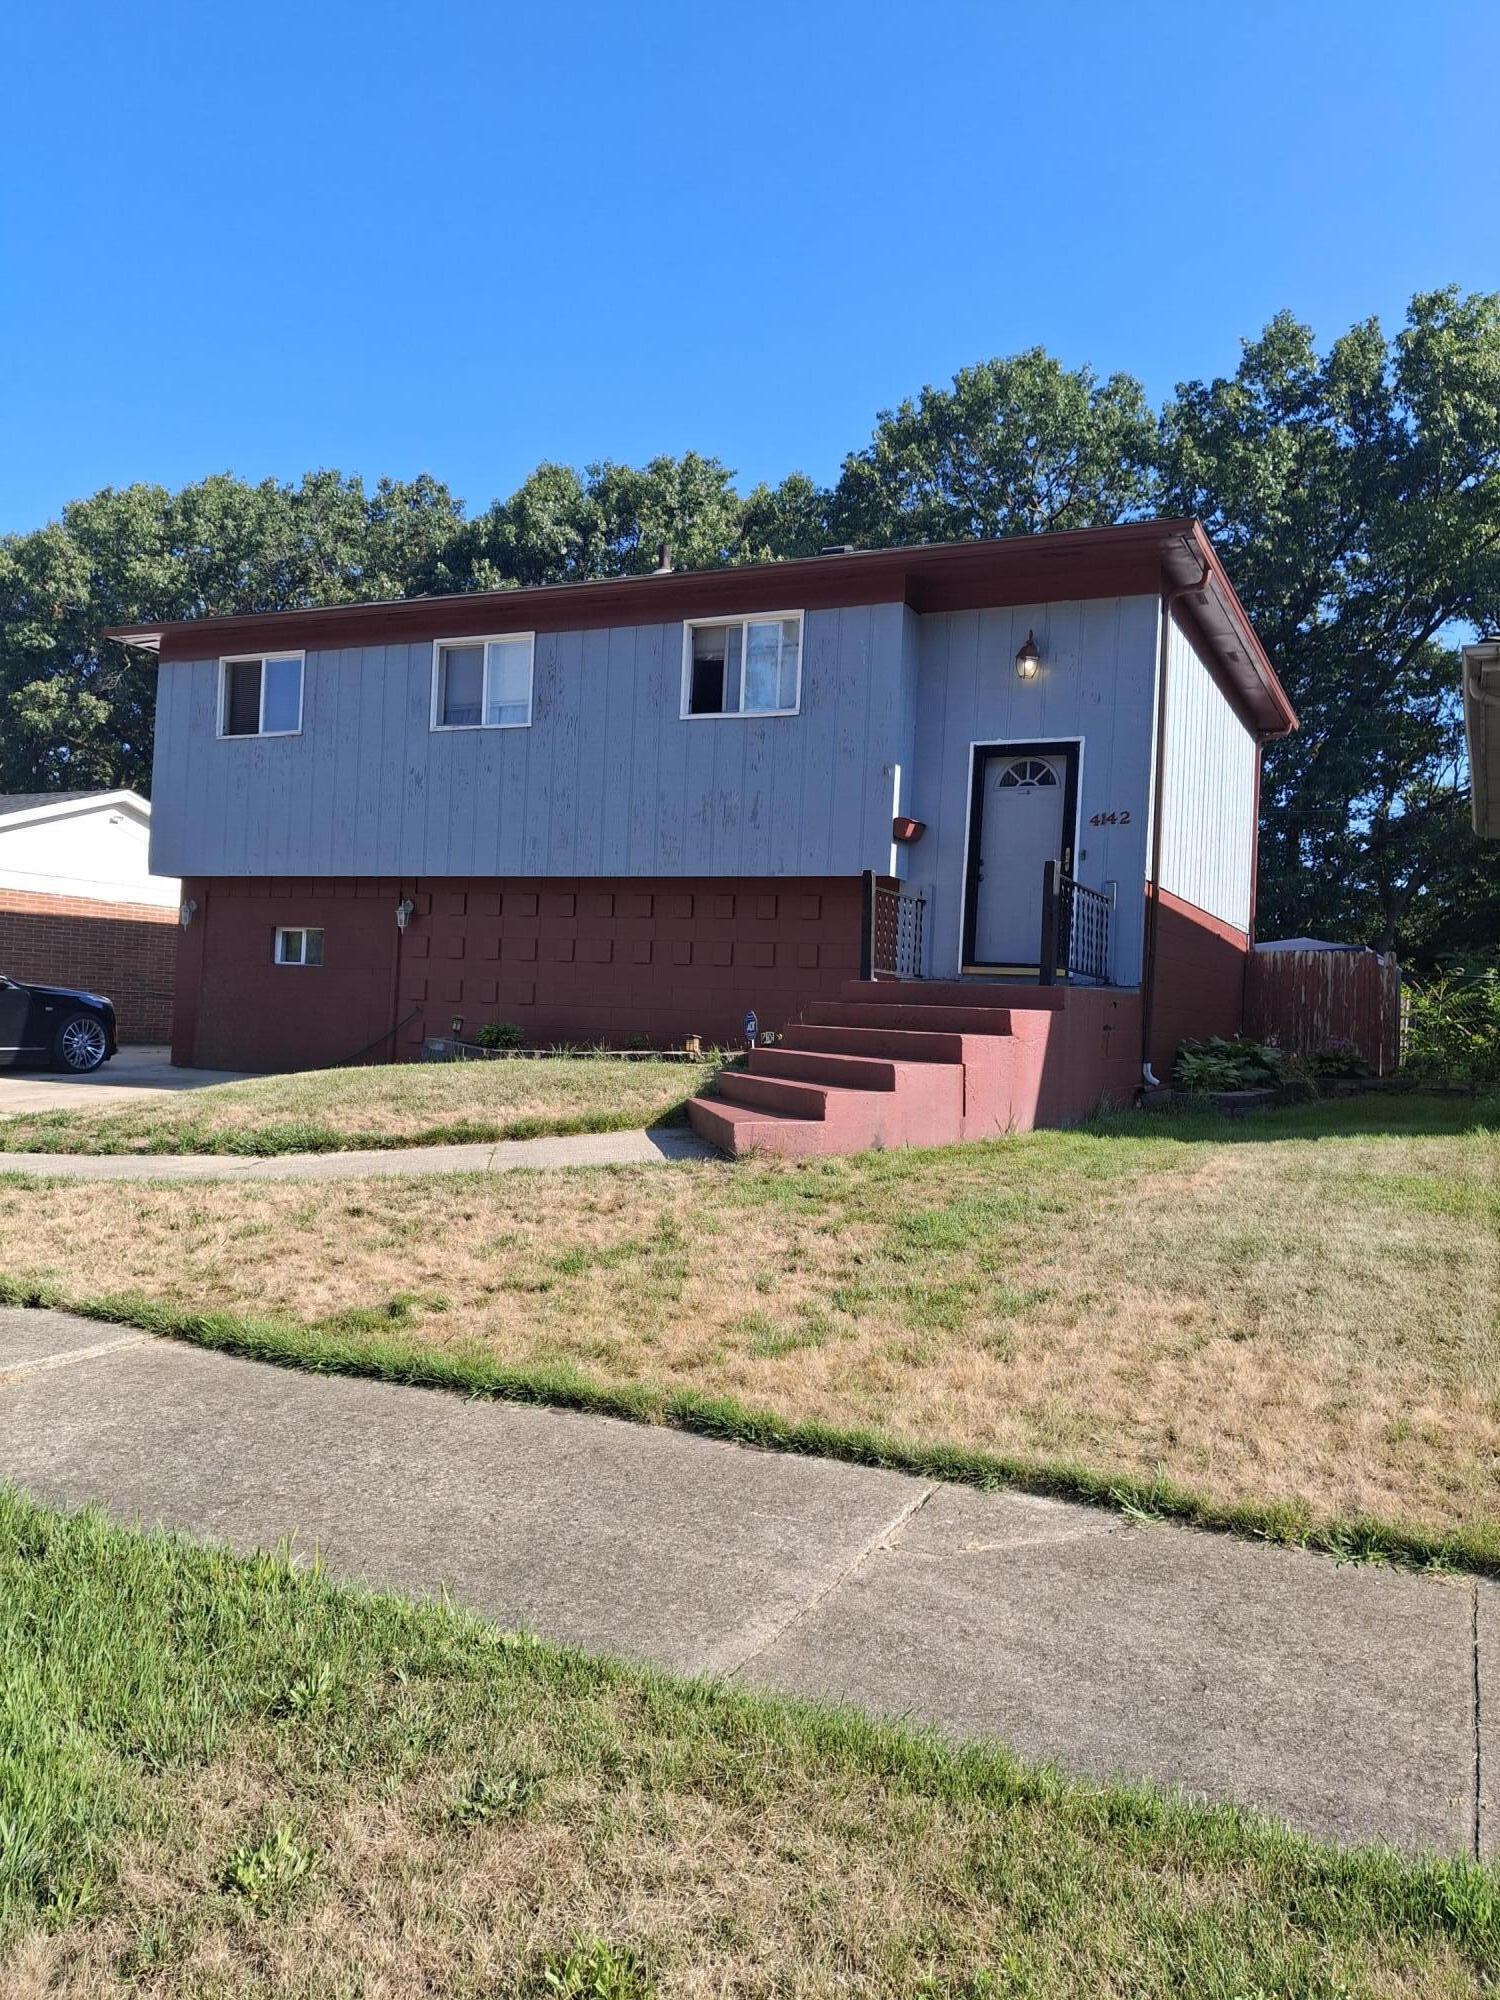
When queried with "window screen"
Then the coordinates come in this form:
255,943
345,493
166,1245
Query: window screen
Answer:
242,698
262,697
483,683
747,667
461,687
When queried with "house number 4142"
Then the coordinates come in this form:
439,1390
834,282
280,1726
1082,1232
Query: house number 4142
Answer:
1110,819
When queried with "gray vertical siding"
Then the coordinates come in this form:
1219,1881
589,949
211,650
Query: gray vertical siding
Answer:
1097,682
1208,791
608,780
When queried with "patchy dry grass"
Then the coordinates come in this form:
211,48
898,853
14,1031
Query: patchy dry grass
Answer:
228,1777
389,1104
1298,1317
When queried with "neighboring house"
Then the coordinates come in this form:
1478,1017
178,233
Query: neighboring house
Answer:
1482,733
79,905
640,808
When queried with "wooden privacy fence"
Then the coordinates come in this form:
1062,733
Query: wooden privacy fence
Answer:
1306,1000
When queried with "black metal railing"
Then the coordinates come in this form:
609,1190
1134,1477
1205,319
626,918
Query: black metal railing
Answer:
1075,929
894,920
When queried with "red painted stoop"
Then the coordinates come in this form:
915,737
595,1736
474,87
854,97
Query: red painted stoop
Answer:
889,1063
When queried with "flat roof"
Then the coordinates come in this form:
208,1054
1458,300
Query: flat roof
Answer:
1135,558
1481,672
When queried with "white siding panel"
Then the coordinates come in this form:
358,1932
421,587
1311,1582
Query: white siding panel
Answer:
1208,792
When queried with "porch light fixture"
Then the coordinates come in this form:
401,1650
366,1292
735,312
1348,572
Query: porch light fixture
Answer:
457,1025
1028,658
403,912
187,909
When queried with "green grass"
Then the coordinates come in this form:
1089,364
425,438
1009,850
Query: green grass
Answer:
377,1107
1283,1327
229,1776
361,1341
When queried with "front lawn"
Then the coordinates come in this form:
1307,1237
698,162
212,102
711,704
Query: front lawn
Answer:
1288,1323
232,1777
386,1104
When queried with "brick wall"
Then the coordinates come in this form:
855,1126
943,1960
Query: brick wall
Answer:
607,960
127,951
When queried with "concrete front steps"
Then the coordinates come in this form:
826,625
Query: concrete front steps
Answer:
889,1063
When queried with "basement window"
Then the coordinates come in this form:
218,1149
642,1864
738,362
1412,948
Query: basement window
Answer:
482,683
261,695
299,947
743,666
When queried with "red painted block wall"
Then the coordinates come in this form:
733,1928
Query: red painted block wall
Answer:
606,960
1200,979
126,951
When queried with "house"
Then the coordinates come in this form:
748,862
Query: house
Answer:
1015,779
79,905
1481,695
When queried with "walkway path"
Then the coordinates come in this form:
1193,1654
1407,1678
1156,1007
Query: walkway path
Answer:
1360,1703
585,1149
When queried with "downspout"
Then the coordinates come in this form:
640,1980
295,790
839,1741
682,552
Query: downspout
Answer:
1170,599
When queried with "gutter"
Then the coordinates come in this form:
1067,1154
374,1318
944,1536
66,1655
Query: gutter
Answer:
1170,599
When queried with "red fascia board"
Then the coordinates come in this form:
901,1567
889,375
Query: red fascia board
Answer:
1133,559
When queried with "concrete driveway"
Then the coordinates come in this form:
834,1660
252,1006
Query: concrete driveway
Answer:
133,1075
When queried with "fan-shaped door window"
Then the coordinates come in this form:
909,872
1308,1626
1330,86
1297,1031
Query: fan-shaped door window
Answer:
1027,771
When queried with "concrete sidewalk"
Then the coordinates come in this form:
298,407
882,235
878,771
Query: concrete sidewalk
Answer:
583,1149
1358,1703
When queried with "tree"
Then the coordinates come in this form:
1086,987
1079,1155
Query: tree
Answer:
558,527
1015,447
1356,499
78,713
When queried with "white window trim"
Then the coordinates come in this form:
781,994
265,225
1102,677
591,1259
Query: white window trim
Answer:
289,930
742,619
240,659
486,640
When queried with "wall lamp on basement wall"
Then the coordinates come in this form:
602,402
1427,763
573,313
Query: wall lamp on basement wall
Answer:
404,912
1028,658
187,909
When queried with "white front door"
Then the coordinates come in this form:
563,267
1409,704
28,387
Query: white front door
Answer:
1020,830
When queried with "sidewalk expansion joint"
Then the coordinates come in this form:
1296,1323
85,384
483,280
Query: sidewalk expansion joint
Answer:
882,1540
10,1371
1478,1829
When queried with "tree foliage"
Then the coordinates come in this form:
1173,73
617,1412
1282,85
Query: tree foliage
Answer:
1355,496
75,711
1016,447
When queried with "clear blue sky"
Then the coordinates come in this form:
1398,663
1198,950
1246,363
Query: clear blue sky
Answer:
463,237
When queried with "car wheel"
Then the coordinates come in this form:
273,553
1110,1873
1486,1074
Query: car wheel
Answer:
80,1044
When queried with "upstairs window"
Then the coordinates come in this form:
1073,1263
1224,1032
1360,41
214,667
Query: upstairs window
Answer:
299,947
743,666
482,683
261,696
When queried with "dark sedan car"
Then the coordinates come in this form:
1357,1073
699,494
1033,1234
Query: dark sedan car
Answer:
56,1027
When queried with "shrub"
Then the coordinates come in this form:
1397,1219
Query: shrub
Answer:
499,1035
1336,1060
1452,1029
1222,1063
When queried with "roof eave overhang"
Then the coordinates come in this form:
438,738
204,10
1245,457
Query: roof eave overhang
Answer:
1138,558
68,808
